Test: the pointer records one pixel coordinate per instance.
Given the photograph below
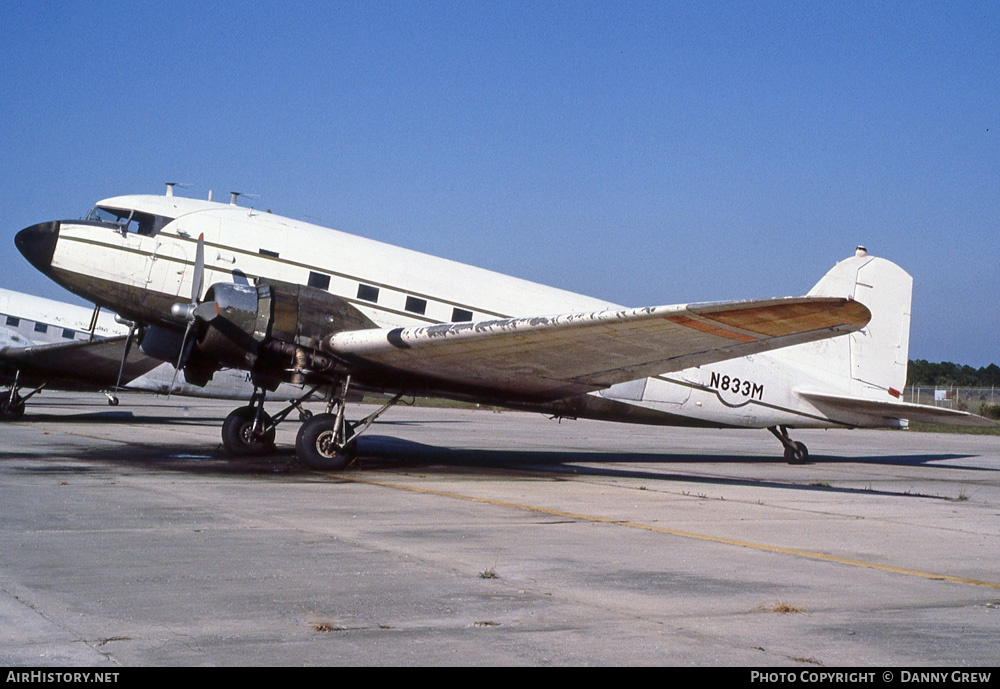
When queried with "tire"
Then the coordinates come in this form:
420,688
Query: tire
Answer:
11,411
798,455
237,433
315,446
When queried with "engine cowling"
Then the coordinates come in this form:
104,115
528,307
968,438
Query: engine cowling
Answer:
272,329
243,320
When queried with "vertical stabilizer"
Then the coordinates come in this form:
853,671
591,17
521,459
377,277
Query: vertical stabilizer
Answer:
875,357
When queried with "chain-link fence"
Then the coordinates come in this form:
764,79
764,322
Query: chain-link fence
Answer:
962,399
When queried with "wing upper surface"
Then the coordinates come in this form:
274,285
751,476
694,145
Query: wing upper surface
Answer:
550,357
94,363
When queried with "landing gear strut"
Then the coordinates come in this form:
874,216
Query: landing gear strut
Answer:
11,401
795,452
11,405
250,430
327,441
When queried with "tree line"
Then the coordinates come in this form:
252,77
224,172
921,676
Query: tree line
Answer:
923,373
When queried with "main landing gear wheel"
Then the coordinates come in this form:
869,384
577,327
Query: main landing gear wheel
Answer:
238,435
318,447
797,454
11,406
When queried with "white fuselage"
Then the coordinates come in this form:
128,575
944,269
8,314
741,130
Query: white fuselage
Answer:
397,287
27,320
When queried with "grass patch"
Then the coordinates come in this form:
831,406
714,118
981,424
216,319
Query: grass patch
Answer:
326,627
781,607
920,427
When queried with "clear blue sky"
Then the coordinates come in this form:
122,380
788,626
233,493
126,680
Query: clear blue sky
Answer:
646,153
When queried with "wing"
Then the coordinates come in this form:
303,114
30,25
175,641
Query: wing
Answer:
93,363
551,357
897,410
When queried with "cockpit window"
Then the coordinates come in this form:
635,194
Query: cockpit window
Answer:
129,220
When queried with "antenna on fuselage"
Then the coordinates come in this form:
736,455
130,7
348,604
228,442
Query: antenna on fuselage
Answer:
233,195
209,194
171,185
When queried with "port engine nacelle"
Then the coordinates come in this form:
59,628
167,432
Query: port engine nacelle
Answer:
272,329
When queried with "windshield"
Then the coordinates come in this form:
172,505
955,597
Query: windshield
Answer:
110,215
129,220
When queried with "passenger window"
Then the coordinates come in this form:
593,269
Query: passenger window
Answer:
319,280
460,315
416,305
68,333
41,328
13,321
368,293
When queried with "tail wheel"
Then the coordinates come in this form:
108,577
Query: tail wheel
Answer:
797,454
318,446
11,406
238,435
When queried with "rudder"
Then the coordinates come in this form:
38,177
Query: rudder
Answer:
875,356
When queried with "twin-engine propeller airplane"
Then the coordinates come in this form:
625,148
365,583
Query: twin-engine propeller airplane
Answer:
293,302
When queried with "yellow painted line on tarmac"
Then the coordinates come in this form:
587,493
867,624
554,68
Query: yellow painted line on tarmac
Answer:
809,554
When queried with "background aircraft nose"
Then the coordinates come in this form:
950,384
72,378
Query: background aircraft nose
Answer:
37,243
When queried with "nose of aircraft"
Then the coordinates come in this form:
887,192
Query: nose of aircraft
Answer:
37,243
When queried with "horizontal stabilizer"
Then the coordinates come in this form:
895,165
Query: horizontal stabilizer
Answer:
551,357
924,413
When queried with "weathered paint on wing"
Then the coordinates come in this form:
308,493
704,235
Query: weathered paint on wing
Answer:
560,355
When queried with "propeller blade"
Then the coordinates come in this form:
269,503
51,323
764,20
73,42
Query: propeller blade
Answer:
194,311
206,312
128,347
181,357
93,321
198,279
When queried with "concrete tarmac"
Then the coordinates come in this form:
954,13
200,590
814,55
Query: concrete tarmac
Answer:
128,538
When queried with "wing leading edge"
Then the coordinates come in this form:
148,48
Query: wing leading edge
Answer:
551,357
